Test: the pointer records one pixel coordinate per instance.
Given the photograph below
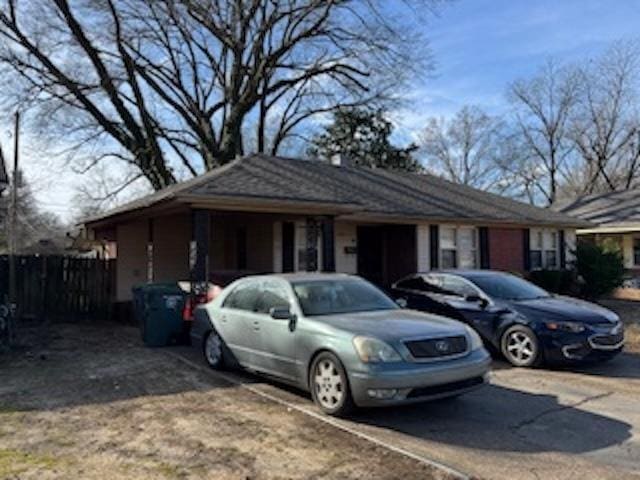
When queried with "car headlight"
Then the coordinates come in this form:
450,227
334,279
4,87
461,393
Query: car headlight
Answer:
476,341
372,350
573,327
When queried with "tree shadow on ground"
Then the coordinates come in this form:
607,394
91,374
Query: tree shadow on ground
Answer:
497,418
624,365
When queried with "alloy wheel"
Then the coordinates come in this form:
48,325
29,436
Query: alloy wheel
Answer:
328,384
520,346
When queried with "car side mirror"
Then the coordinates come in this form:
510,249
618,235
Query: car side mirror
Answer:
280,313
401,302
477,299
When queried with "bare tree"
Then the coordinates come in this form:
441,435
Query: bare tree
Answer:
543,106
168,85
606,127
462,149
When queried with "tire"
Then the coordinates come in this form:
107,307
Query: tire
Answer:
213,349
520,346
329,385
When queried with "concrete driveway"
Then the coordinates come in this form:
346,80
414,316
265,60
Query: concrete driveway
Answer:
528,424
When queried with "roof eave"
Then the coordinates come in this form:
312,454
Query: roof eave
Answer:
610,229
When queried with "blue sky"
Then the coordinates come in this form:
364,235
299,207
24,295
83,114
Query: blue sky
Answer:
480,46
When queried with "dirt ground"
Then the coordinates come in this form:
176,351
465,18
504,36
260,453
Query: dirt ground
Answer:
92,402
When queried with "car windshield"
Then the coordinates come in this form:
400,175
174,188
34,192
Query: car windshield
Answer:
328,297
508,287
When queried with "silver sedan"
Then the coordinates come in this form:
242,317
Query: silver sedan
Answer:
340,338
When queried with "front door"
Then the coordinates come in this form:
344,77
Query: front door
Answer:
386,253
276,349
371,254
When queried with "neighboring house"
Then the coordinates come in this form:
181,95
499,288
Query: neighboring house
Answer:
616,219
273,214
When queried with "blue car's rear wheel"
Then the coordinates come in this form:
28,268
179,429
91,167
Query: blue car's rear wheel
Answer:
329,385
520,346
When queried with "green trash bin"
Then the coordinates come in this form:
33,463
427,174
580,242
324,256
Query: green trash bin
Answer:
159,311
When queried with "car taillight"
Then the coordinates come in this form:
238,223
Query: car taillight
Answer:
193,301
187,312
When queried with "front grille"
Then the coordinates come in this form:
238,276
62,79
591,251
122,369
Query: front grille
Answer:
437,347
445,388
607,340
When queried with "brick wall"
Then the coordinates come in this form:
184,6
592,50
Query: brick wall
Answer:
506,249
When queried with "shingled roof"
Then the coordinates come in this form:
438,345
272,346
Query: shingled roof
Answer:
350,190
611,210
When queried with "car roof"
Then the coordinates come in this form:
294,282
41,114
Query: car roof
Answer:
304,276
466,273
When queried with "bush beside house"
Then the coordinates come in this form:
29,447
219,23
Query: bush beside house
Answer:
598,271
602,269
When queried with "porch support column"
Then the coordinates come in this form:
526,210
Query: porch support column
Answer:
199,248
312,244
150,250
328,245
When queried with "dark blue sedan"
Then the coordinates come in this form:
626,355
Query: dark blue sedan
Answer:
527,324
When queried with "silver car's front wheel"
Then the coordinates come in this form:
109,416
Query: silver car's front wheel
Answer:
329,385
213,348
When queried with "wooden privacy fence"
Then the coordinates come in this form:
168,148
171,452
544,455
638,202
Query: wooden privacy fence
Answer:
60,287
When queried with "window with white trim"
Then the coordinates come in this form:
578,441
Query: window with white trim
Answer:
458,247
544,249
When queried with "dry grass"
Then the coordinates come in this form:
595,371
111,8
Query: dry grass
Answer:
632,336
17,463
95,406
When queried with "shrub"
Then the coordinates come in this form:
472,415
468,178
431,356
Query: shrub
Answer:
602,269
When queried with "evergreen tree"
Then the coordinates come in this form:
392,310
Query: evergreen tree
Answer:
363,136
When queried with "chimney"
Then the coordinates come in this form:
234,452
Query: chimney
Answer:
340,160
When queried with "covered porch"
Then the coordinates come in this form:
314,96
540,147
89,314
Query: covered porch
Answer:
202,244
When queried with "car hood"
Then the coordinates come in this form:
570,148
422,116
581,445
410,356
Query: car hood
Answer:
391,325
563,308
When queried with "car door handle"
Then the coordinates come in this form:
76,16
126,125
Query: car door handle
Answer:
223,319
256,325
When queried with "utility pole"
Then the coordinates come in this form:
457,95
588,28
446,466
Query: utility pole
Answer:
12,232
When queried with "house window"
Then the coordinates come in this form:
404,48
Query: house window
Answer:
458,247
544,249
636,251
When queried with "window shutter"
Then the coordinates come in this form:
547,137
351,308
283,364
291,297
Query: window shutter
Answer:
526,250
434,246
288,247
562,245
328,245
483,238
